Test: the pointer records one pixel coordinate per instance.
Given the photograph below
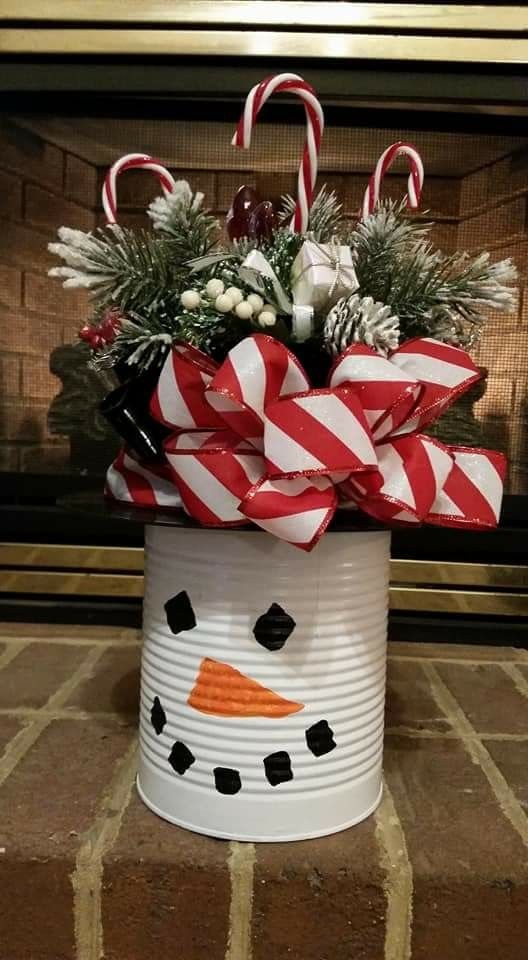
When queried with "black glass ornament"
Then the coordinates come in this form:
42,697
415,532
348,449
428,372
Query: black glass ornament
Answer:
127,410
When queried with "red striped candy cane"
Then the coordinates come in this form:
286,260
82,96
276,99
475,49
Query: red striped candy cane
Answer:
132,161
256,98
414,183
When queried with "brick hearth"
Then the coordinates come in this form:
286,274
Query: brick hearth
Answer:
440,873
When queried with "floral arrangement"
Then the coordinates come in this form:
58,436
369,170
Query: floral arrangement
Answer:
183,282
175,308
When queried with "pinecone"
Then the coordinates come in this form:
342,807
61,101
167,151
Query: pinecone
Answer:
359,319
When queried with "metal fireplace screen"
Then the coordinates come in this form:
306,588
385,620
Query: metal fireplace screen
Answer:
51,171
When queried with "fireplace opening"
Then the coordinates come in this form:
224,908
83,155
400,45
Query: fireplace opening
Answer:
52,167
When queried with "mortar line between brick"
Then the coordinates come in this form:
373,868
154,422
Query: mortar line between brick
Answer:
98,840
520,682
453,735
398,879
473,662
69,713
241,864
73,641
25,738
12,650
505,797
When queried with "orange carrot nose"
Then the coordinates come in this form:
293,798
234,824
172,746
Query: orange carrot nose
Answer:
222,691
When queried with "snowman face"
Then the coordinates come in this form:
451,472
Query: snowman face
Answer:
238,688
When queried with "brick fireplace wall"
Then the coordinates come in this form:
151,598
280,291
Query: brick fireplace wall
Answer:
494,217
41,187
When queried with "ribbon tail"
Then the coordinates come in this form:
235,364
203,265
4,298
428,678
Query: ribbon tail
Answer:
297,511
445,373
129,481
179,400
471,497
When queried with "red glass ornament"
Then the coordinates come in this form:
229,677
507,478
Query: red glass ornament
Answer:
237,220
104,333
109,325
262,221
86,333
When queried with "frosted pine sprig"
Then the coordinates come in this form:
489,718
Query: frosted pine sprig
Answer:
135,271
180,216
488,283
434,294
325,219
168,209
82,254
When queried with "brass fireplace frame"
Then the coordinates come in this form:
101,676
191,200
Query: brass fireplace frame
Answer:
424,586
362,53
484,34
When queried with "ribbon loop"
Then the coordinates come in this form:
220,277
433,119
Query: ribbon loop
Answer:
413,470
214,472
472,495
256,372
320,432
297,510
444,371
387,394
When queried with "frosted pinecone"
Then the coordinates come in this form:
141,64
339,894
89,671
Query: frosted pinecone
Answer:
359,319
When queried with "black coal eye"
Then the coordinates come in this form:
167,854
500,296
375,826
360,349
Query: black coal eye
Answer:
180,614
273,628
181,758
320,738
278,768
158,717
227,781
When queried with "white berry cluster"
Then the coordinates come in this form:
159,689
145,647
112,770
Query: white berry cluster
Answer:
232,301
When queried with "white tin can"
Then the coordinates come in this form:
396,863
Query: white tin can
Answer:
263,681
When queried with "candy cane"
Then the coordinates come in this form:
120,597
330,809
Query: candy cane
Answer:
256,98
414,183
132,161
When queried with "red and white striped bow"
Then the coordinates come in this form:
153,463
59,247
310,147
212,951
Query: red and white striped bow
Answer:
254,442
148,485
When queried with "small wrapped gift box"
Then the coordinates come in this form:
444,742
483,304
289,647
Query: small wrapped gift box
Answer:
322,273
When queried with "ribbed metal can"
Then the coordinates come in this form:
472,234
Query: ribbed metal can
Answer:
263,681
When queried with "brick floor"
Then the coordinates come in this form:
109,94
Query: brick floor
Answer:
87,872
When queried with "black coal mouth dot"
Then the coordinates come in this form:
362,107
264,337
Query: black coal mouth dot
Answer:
320,740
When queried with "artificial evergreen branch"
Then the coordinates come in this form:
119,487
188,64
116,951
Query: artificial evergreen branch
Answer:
179,215
325,218
280,252
432,293
379,242
137,272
